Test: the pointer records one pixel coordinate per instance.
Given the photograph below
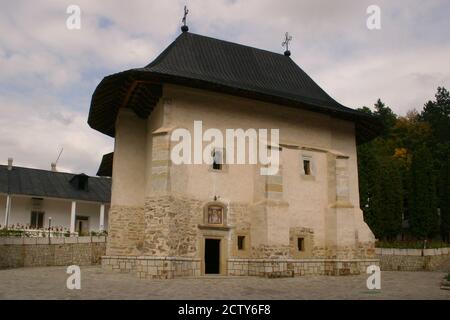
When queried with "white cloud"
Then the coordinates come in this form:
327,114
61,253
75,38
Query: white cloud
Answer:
48,73
402,80
33,134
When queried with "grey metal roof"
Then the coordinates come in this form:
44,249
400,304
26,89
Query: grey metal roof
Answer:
43,183
212,64
225,63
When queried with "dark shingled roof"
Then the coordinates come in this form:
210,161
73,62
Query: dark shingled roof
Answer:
43,183
202,62
105,169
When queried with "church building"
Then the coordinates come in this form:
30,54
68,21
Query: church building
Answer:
169,220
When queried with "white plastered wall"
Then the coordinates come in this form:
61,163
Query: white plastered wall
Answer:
307,199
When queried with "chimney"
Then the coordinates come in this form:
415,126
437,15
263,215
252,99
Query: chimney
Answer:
53,165
10,163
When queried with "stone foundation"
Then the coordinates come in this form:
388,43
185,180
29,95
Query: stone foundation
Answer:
165,239
413,259
297,267
172,267
153,267
41,252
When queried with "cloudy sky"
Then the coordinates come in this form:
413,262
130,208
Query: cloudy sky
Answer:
48,73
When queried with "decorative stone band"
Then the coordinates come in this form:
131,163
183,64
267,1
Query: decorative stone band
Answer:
274,186
160,160
146,267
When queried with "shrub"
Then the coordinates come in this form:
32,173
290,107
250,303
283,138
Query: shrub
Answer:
11,233
99,233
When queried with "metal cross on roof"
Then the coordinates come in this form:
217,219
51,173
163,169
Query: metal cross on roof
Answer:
285,43
185,28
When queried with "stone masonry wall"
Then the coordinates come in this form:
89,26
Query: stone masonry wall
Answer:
360,251
37,252
126,230
271,252
413,259
171,226
164,238
146,267
273,268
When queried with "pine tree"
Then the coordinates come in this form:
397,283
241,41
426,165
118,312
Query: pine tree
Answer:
437,114
386,202
396,170
375,205
386,116
444,199
367,167
380,184
391,190
423,217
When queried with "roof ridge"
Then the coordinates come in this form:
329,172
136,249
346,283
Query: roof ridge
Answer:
237,44
65,173
186,34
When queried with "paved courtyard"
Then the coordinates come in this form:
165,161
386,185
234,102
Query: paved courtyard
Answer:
50,283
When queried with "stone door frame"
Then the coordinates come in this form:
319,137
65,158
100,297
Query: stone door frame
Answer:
218,235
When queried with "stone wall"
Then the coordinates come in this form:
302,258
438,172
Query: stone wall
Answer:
165,239
297,267
126,230
146,267
171,226
40,252
149,267
413,259
361,250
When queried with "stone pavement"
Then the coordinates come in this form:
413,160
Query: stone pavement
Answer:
50,283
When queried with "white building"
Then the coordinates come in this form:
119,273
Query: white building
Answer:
184,218
31,199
